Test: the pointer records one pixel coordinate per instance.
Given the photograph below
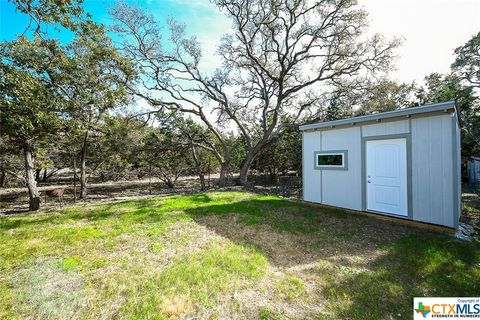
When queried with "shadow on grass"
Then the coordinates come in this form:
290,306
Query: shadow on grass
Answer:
98,212
292,234
374,268
415,266
141,211
303,233
367,268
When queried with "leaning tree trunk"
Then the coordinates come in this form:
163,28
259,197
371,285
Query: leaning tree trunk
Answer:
247,163
83,174
33,192
222,180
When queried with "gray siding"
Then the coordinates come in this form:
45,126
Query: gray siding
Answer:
435,166
311,177
387,128
432,174
458,168
343,188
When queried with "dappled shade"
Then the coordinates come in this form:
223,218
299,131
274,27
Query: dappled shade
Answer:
232,254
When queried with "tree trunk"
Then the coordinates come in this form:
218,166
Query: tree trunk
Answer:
202,181
83,174
37,174
247,163
198,168
150,179
74,179
223,174
30,180
3,179
170,183
273,175
209,170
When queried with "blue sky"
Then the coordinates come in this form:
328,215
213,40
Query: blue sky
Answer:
431,29
201,17
196,13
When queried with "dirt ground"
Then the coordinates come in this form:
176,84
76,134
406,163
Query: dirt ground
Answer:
15,200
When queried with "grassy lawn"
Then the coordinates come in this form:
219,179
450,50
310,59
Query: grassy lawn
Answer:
223,255
471,207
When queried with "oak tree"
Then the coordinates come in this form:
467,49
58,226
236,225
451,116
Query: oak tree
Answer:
31,109
276,64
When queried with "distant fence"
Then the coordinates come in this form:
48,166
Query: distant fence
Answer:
287,186
473,172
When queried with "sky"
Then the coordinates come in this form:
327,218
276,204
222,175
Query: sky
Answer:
430,29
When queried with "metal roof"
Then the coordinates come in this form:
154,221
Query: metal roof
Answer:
384,115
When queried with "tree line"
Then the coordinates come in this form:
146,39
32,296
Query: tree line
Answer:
69,105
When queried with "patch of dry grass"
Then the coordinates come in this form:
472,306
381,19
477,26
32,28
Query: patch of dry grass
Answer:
222,255
49,289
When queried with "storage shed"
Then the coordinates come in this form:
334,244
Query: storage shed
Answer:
403,163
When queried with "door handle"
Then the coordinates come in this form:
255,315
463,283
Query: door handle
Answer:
369,181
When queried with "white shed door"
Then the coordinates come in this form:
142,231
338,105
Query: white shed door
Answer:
386,173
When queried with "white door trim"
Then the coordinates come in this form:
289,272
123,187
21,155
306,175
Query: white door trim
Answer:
386,176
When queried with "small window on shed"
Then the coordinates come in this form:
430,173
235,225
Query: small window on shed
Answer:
331,160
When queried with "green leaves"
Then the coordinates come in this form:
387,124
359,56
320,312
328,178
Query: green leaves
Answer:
467,62
30,107
67,13
439,88
50,92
